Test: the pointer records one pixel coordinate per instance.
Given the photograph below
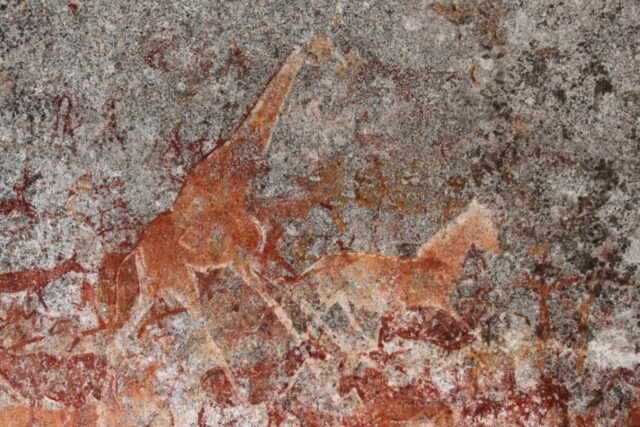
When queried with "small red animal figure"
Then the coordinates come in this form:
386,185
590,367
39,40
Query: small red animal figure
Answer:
35,280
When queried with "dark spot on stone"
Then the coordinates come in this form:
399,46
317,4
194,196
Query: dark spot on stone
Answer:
560,95
597,289
457,183
503,109
488,330
566,133
407,250
603,86
596,400
596,68
538,70
585,262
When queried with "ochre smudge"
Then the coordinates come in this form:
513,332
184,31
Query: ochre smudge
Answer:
69,381
426,325
24,416
384,405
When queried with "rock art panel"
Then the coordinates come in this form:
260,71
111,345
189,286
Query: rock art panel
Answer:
230,295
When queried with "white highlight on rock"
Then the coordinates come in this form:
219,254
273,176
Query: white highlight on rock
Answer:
632,254
611,349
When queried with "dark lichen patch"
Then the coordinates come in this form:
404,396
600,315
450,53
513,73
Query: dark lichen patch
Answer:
596,68
299,319
407,250
560,95
602,87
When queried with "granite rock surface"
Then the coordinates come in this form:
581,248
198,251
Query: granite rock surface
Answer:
319,213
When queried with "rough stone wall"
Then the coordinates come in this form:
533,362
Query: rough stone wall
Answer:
403,116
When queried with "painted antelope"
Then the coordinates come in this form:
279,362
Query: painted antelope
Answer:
359,299
343,309
426,280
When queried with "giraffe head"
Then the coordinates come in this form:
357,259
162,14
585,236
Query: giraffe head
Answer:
474,226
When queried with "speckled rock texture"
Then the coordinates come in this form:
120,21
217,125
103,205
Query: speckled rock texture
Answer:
323,213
